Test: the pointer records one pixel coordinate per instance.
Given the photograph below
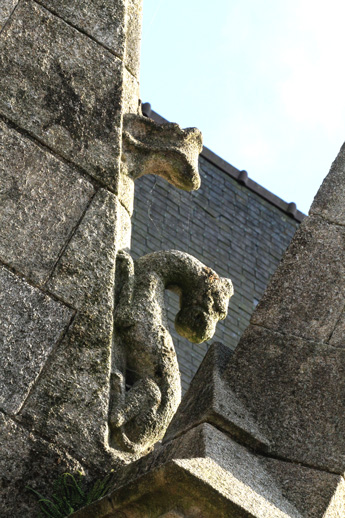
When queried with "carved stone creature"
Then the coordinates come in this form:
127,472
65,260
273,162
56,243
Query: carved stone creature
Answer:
146,396
165,150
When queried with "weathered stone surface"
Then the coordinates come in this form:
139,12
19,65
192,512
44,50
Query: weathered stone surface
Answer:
104,20
338,336
162,149
131,93
165,150
133,29
306,295
124,235
292,488
27,460
116,25
329,202
140,415
84,275
201,474
31,325
63,88
294,389
6,9
70,401
211,400
126,192
41,202
316,494
171,514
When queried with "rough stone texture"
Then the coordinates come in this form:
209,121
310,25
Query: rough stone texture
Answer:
216,404
140,415
124,237
131,103
294,389
315,493
27,461
31,326
103,20
116,25
329,201
63,88
171,514
305,297
134,20
226,226
41,202
162,149
126,192
70,402
202,474
6,9
84,273
338,336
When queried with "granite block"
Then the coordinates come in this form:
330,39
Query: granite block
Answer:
202,474
103,20
306,297
41,202
210,400
63,88
27,460
315,493
134,21
84,275
70,401
6,9
294,390
31,324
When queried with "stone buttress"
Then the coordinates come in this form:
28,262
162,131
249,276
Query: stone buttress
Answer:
68,75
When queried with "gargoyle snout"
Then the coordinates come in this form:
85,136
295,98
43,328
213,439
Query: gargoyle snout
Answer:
166,150
195,324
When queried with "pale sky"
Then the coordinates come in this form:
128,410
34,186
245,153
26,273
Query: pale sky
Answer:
263,81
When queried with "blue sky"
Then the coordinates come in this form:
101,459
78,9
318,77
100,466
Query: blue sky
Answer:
264,82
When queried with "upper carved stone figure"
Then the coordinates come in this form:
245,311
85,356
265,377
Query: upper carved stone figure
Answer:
165,150
146,396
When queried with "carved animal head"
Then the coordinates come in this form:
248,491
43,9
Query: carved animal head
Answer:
202,308
162,149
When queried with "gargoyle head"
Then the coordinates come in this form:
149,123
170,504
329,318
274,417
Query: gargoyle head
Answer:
165,150
202,309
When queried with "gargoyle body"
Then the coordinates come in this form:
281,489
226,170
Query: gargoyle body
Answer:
148,393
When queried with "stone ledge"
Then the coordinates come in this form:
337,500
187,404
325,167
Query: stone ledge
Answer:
204,473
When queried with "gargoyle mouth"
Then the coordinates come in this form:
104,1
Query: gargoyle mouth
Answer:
195,324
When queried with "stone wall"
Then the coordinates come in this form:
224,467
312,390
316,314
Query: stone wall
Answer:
225,225
68,74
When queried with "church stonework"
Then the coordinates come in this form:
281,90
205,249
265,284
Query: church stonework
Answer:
89,376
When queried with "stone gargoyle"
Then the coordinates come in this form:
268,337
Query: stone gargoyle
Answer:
146,395
165,150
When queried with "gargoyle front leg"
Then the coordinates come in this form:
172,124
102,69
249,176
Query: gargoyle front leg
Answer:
143,397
